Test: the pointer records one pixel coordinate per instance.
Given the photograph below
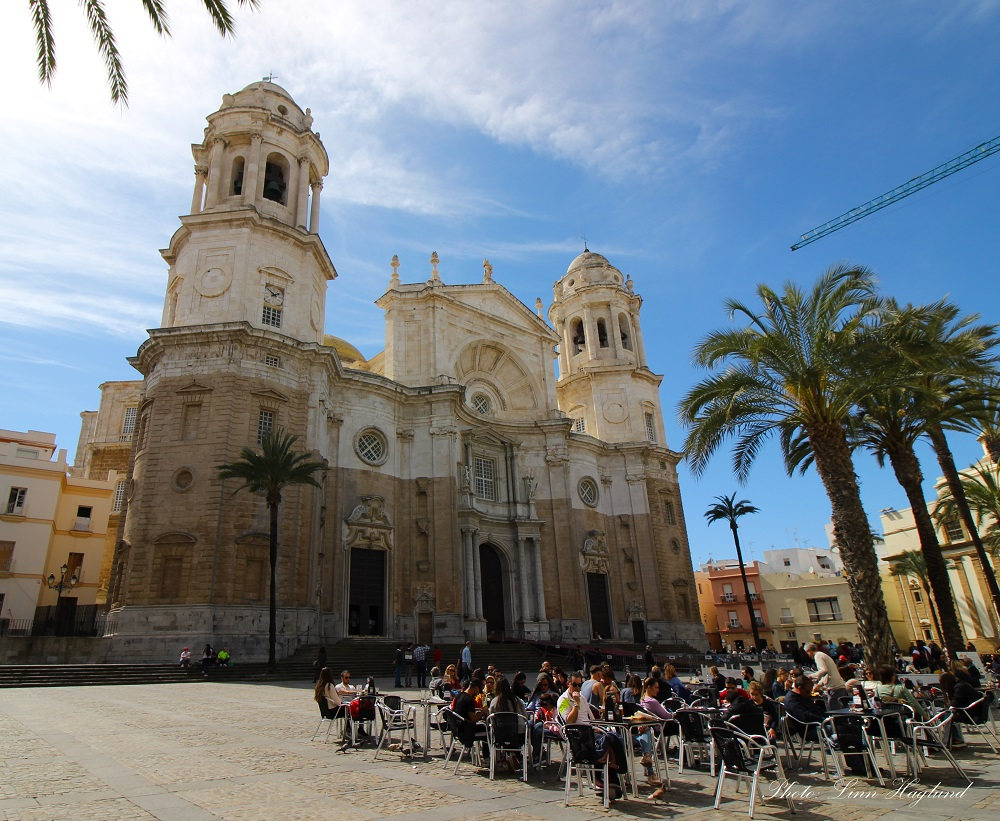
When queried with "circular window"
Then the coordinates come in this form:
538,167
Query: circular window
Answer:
481,403
282,110
588,491
371,446
183,479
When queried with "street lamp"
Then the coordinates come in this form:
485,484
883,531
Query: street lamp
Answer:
61,585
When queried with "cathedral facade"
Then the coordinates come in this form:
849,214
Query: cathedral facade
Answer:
470,492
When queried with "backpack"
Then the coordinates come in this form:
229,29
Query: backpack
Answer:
362,709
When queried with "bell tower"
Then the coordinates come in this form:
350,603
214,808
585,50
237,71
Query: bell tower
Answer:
249,250
604,382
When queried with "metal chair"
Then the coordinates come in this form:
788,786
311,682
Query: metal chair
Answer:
976,716
325,714
746,757
396,718
582,757
846,735
932,735
508,733
694,741
808,733
455,722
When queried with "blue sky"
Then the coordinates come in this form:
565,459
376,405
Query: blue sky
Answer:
691,143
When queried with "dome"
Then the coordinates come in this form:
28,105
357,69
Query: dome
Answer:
270,96
264,85
590,269
345,350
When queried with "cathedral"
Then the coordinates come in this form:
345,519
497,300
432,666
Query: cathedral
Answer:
496,472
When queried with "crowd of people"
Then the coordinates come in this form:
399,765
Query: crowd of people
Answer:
556,697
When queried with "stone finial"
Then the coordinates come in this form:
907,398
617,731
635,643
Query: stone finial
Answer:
487,271
394,282
629,285
307,120
539,307
435,261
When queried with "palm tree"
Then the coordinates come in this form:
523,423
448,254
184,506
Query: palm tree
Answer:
911,563
890,420
794,371
728,509
268,472
100,28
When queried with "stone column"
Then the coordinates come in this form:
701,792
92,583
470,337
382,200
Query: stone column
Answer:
539,583
215,183
314,208
522,572
613,332
589,332
470,588
985,622
566,354
477,576
302,194
251,171
200,174
962,601
640,348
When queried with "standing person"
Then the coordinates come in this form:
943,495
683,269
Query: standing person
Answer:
465,665
828,675
398,662
420,662
648,659
320,663
437,656
408,664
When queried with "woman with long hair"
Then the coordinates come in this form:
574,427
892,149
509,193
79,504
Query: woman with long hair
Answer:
505,701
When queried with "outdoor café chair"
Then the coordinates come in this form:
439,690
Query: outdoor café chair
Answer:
396,718
454,722
582,758
809,735
745,757
508,733
932,735
694,741
846,735
976,716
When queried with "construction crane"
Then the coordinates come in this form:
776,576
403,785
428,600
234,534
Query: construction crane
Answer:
973,155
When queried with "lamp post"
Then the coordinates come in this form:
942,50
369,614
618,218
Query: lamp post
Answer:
59,586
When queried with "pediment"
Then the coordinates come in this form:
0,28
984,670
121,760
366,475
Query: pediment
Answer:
496,304
272,395
194,387
487,436
253,537
271,272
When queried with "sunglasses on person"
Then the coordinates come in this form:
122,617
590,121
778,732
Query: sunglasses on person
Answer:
576,685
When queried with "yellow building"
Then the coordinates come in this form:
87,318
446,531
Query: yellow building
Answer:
49,520
976,615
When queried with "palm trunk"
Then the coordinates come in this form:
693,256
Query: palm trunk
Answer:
906,466
851,530
947,462
746,587
272,616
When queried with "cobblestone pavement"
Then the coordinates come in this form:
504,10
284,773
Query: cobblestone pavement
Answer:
243,751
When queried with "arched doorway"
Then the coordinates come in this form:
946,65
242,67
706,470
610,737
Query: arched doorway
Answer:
491,580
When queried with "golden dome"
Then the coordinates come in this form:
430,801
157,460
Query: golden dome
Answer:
345,350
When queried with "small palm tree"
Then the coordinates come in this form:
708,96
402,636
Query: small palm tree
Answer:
104,36
911,564
729,510
268,472
982,491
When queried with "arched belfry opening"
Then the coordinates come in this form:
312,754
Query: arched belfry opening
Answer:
276,179
492,579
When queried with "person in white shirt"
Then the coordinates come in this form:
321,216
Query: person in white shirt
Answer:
341,696
828,675
575,709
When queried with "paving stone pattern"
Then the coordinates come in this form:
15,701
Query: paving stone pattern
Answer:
242,751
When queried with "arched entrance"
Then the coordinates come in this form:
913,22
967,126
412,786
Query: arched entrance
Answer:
492,584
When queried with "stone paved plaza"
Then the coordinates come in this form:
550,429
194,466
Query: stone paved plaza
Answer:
242,751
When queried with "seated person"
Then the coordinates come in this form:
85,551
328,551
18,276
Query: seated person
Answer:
800,705
769,707
575,709
732,688
543,687
744,712
779,688
488,692
471,728
959,694
520,686
543,719
437,685
889,690
505,701
718,680
223,658
678,686
451,682
632,694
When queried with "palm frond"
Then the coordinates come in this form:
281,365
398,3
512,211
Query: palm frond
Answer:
157,16
104,37
45,47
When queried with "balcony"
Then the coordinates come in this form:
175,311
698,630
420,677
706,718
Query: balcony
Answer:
729,597
759,621
82,524
754,597
788,619
734,624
